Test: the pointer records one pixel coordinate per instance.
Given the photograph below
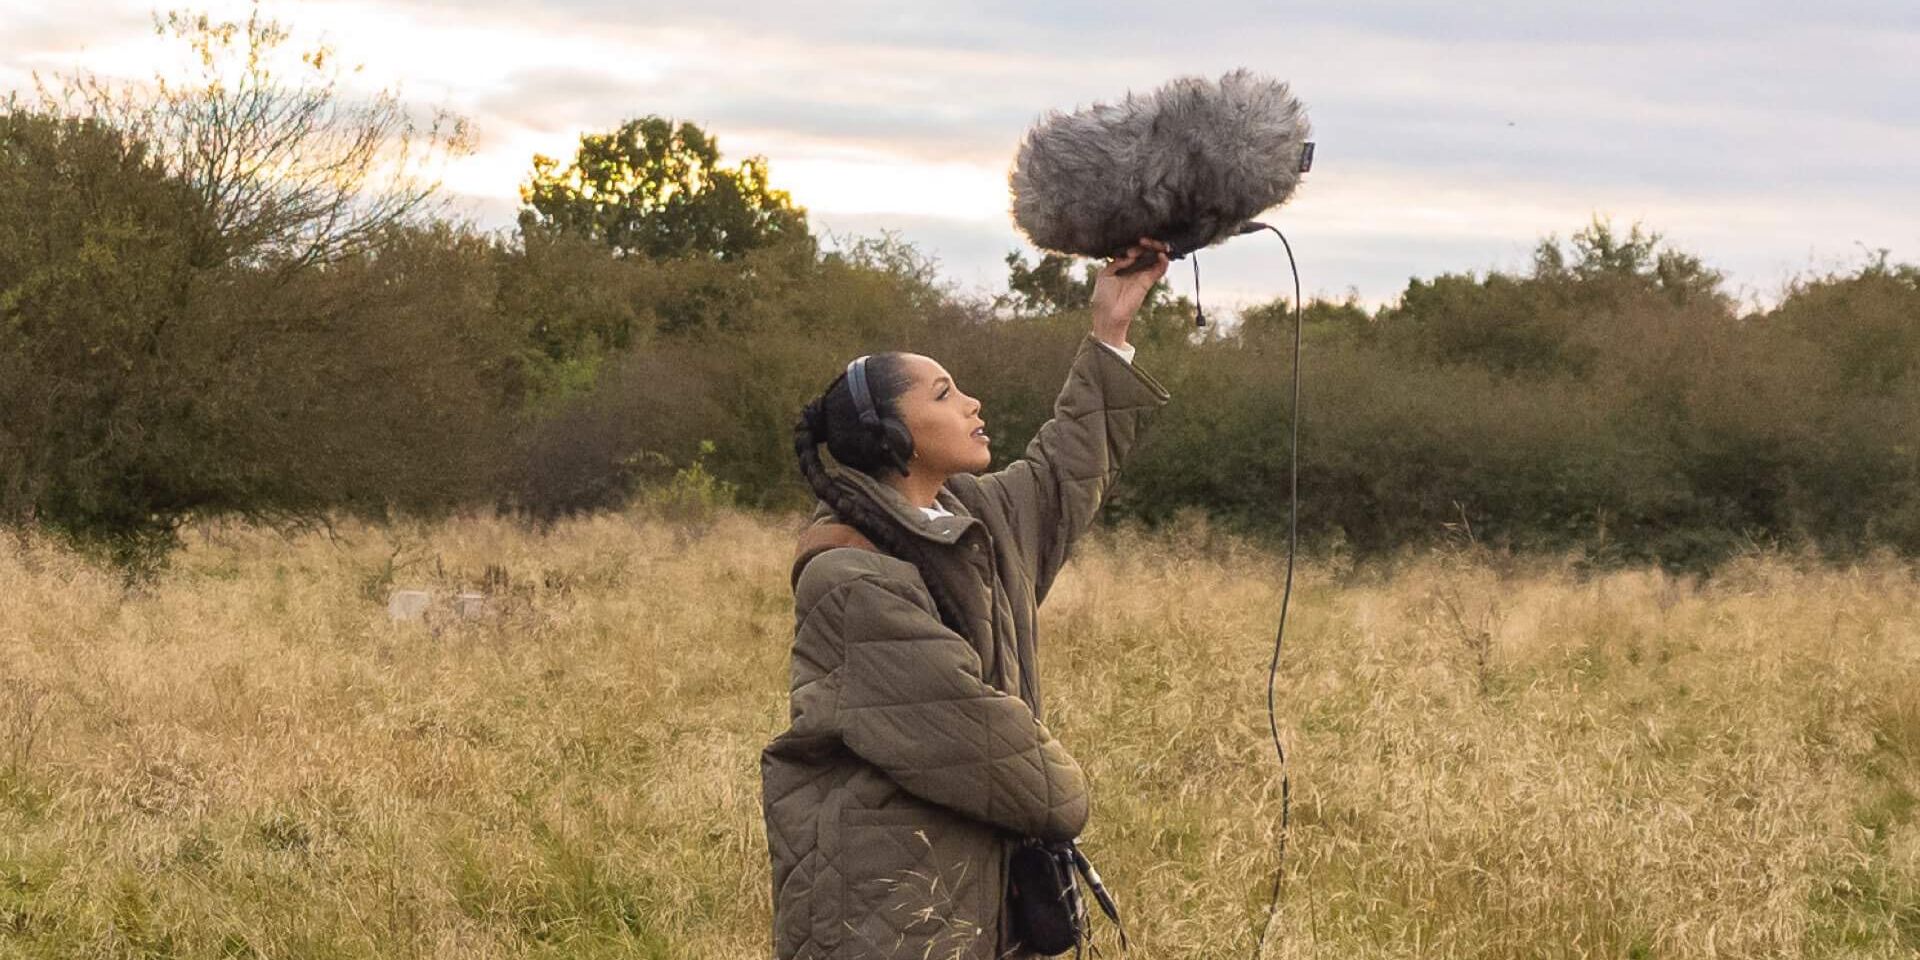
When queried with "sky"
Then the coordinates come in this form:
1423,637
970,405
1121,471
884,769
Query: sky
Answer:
1772,139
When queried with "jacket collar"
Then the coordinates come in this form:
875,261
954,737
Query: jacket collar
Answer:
825,534
946,530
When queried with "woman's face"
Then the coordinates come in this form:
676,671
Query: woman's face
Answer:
948,435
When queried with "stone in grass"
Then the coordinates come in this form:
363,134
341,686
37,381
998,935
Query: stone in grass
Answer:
408,604
472,606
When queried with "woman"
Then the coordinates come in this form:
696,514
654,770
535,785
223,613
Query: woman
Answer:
916,756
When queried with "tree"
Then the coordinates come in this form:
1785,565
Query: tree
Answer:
1604,261
1050,285
292,171
916,273
94,238
224,295
658,190
573,305
1322,317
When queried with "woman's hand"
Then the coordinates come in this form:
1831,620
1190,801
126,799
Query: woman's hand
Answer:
1117,298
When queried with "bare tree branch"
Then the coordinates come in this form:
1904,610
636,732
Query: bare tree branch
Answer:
295,172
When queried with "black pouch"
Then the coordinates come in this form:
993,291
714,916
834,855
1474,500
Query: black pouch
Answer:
1044,896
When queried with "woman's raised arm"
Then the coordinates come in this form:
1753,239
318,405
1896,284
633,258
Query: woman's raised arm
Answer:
1050,495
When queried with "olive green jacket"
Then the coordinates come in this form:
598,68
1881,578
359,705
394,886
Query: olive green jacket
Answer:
916,755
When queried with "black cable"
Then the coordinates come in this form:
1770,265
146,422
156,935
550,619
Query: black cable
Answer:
1293,539
1199,312
1293,542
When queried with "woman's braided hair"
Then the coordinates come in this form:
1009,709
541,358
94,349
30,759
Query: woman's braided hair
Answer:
833,419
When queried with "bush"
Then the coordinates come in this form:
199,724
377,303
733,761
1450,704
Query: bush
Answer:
693,494
1609,400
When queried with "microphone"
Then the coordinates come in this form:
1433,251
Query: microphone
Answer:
1189,164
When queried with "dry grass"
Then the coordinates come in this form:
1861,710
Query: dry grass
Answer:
246,759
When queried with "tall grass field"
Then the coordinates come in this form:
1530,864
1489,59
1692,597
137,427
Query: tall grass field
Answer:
1490,757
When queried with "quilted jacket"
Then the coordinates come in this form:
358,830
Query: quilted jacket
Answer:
916,755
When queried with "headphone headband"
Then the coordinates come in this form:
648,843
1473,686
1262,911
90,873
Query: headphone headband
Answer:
857,384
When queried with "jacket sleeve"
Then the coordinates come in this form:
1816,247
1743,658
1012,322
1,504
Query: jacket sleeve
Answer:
913,703
1051,494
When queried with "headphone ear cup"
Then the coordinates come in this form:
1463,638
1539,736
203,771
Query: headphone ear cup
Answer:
899,440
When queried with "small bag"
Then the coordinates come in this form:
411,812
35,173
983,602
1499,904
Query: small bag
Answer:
1044,895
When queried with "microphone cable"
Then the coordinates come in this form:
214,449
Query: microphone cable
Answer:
1293,541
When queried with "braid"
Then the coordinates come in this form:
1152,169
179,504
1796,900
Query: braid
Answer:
865,516
807,437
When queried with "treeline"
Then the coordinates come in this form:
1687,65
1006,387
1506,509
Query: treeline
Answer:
1611,400
230,299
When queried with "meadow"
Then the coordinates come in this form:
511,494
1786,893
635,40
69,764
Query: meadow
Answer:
1492,756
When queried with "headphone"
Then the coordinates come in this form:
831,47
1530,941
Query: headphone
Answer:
895,438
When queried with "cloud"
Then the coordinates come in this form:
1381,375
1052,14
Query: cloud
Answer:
1766,136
